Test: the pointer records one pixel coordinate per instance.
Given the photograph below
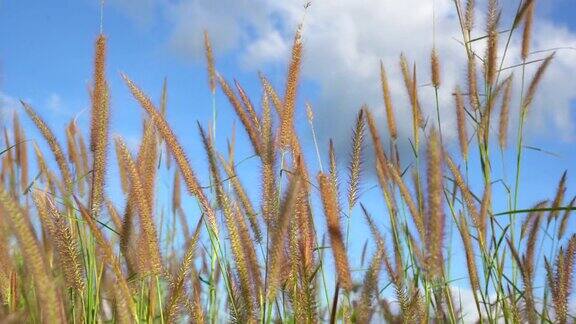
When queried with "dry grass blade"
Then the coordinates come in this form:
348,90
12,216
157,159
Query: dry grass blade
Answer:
248,105
176,193
66,246
485,205
369,289
143,207
178,283
565,217
469,250
332,214
558,198
190,179
122,173
381,168
333,166
114,216
272,94
242,197
232,218
411,88
21,152
466,193
52,143
276,254
417,217
74,155
246,120
147,162
43,167
527,100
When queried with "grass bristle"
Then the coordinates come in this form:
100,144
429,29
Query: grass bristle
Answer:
287,120
435,217
332,214
527,32
99,127
210,62
355,167
461,123
392,129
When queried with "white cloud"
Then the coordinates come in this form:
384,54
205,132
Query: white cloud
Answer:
54,103
268,49
229,22
7,103
142,12
344,41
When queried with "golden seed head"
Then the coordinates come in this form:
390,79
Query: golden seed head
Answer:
435,66
287,119
210,62
461,123
527,33
392,129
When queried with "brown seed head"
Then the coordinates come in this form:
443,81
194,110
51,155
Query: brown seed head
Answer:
287,117
332,213
392,129
210,62
435,67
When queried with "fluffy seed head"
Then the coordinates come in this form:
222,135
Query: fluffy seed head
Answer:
461,122
332,214
392,129
210,62
287,120
99,127
435,68
527,33
435,216
505,113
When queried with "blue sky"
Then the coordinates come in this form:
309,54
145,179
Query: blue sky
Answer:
46,51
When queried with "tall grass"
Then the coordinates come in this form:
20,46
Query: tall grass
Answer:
263,258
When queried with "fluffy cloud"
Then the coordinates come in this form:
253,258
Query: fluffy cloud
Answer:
8,105
54,103
142,12
344,41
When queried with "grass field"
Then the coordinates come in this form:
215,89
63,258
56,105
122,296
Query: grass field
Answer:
71,253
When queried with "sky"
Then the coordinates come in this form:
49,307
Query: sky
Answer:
46,53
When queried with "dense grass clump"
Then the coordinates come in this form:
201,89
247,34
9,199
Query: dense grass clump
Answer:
71,254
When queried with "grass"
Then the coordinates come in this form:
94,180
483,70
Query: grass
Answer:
70,254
